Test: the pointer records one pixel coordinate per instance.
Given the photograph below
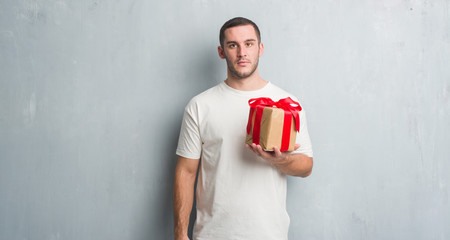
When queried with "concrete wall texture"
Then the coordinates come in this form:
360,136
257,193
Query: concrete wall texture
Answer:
92,94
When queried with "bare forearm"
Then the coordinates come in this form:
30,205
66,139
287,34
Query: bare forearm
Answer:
183,200
183,196
298,165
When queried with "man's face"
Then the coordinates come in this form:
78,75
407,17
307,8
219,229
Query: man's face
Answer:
241,51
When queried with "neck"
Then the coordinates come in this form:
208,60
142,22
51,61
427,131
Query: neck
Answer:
251,83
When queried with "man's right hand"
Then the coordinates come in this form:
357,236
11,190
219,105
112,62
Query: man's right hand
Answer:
184,237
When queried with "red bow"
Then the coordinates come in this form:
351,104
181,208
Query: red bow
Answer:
290,107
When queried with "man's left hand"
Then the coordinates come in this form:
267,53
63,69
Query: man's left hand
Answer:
275,157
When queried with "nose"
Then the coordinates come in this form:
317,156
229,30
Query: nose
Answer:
242,52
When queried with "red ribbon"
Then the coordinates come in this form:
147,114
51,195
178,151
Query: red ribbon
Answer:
290,107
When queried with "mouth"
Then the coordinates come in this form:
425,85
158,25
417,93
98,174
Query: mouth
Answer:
243,62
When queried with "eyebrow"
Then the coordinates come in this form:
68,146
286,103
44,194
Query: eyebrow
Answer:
248,40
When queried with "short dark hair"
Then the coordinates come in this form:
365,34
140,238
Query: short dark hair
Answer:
234,22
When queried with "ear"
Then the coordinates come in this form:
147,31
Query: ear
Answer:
261,49
221,53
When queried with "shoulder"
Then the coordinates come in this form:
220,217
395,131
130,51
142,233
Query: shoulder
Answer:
279,93
203,98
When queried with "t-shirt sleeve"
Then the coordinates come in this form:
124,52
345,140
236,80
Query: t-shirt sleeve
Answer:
189,142
303,137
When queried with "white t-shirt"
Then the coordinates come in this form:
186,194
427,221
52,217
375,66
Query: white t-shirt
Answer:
239,196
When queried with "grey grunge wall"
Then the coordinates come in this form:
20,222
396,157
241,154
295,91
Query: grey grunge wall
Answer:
92,95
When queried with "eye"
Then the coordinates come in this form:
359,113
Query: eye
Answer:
249,44
232,45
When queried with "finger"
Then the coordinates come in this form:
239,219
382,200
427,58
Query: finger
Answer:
259,149
256,149
297,146
248,146
263,153
252,148
277,152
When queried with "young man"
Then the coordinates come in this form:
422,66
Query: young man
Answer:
241,189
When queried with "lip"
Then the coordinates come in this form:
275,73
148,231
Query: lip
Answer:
243,63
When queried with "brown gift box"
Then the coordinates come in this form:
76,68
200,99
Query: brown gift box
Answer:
271,132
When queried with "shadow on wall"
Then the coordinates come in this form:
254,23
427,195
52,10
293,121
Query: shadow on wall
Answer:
157,222
204,70
202,76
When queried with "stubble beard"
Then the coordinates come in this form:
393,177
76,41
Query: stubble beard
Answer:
241,75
